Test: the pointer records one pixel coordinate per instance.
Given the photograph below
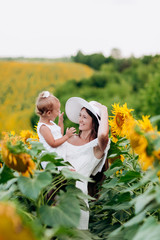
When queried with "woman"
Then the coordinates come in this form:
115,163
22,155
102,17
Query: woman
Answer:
87,151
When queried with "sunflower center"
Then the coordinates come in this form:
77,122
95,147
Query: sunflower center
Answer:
119,120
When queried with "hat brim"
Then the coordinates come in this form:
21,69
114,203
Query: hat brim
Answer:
73,107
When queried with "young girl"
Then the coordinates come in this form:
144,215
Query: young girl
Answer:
51,134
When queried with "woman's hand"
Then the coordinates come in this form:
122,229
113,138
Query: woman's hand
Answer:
101,107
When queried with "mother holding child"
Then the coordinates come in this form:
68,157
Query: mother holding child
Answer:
85,151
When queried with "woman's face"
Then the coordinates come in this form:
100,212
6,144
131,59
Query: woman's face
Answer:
85,120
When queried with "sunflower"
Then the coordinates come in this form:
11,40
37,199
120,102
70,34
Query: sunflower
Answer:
138,141
156,153
142,144
26,134
113,135
146,161
122,158
19,161
145,124
130,122
11,226
120,120
13,133
10,136
7,210
35,126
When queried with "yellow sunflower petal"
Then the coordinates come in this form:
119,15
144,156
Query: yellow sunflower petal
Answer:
11,225
119,122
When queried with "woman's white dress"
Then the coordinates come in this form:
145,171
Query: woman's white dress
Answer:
84,162
80,157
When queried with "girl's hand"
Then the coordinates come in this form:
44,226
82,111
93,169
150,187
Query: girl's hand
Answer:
61,117
70,132
72,170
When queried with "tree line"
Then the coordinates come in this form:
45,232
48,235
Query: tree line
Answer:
135,81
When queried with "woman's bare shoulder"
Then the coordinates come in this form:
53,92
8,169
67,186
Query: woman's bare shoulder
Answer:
73,139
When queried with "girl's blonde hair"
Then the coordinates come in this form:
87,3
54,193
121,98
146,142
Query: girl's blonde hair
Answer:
45,102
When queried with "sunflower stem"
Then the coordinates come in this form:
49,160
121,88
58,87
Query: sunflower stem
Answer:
55,192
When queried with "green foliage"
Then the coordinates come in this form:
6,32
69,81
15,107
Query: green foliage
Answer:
149,96
122,64
128,203
63,214
99,80
6,174
33,120
131,80
94,60
48,198
128,206
31,187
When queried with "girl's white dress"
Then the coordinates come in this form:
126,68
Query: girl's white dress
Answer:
84,162
56,132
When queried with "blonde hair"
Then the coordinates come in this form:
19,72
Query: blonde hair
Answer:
45,102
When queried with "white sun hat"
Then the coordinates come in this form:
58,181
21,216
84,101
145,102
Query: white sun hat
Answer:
75,104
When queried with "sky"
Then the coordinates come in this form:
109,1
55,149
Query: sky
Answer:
60,28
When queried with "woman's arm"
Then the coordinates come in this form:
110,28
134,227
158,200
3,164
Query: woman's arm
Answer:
103,131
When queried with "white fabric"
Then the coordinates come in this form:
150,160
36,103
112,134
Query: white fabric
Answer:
56,132
75,104
84,162
46,94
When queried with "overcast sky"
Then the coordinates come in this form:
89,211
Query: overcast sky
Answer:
59,28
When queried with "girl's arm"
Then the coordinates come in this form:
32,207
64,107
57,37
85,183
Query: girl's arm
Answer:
60,122
46,133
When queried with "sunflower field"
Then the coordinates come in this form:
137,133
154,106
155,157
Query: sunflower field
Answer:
22,81
44,204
